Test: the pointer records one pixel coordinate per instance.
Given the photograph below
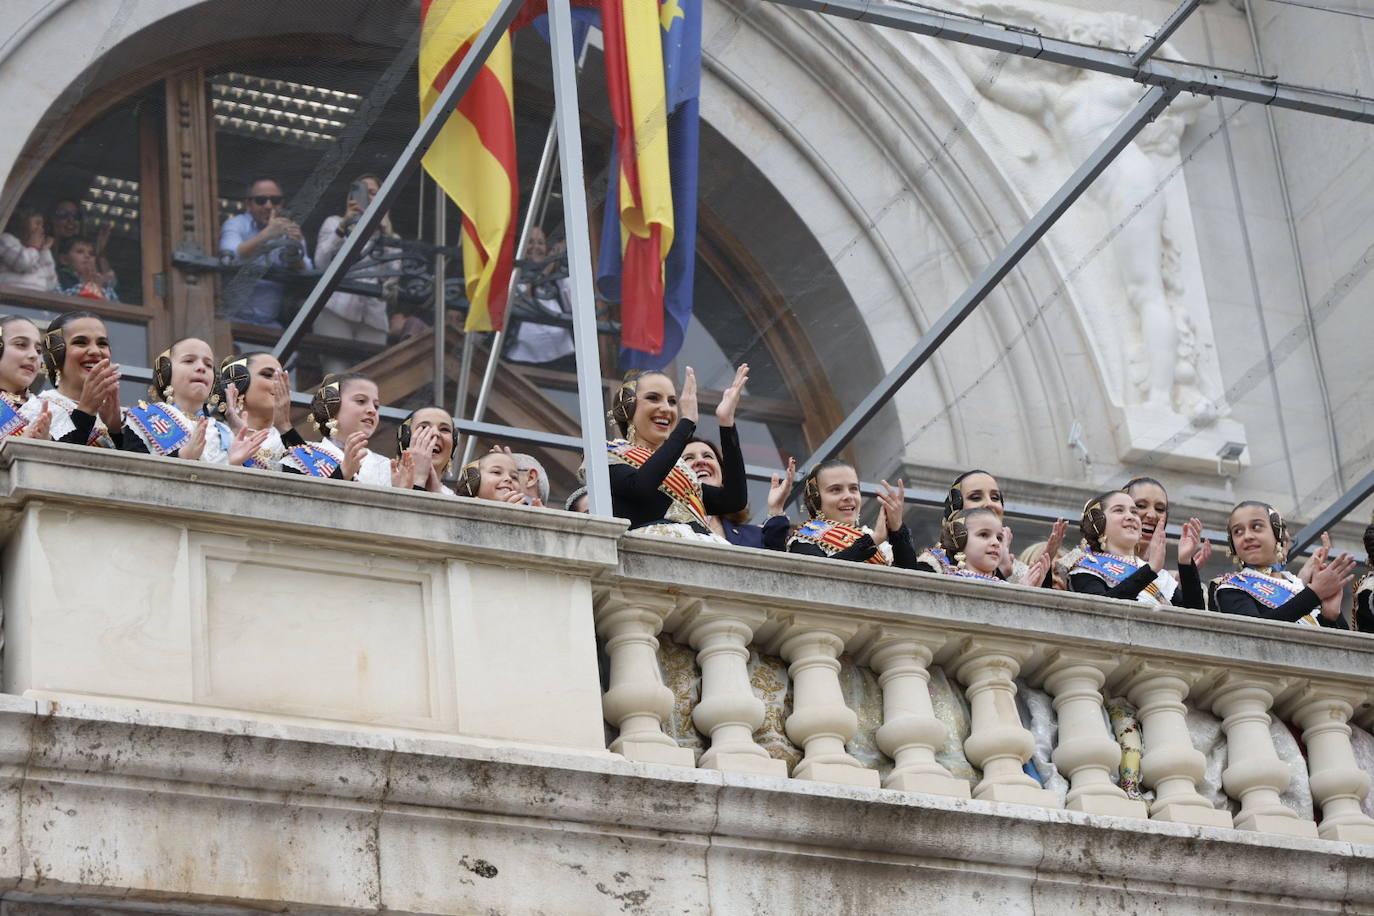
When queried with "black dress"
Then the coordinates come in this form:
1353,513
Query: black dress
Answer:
635,492
863,549
1232,600
1189,593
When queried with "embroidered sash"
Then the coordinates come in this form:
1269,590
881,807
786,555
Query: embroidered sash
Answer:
832,537
10,420
1269,591
937,557
681,485
163,429
310,460
1114,570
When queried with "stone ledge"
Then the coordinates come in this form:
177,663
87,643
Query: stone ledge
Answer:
286,505
874,594
110,804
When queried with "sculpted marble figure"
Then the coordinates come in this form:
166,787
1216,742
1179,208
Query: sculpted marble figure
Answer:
1160,324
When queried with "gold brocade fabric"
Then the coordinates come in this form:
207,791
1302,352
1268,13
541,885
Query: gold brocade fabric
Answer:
768,676
678,663
952,709
1126,728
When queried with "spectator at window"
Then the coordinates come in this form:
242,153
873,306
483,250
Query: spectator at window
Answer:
26,252
78,271
543,286
67,219
262,237
350,316
534,480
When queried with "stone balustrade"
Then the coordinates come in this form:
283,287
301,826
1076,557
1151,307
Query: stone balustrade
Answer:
209,672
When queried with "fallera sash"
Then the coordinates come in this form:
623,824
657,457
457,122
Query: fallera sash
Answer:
1113,570
310,460
10,420
1269,591
681,485
832,537
162,429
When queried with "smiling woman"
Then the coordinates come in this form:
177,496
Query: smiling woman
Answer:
83,406
650,484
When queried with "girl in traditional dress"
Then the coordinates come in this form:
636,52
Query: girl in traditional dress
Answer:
832,497
20,360
83,404
495,477
424,449
257,397
1109,566
650,485
1364,589
1262,588
972,538
977,489
176,422
1152,505
345,411
704,458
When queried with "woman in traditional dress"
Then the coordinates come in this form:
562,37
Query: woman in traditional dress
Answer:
20,359
972,539
704,458
424,449
257,397
345,411
977,489
83,404
1152,505
176,422
1364,589
832,497
650,484
1262,588
1108,564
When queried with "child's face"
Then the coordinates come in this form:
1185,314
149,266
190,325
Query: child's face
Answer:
983,551
500,479
80,258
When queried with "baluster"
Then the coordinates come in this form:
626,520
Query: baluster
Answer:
1254,775
910,734
1323,711
820,723
638,701
999,744
1171,765
1086,753
729,711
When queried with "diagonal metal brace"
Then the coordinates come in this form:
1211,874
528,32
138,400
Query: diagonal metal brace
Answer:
1146,110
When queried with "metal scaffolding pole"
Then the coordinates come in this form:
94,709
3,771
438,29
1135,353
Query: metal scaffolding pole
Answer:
1169,27
542,182
1146,110
567,114
400,173
440,275
1333,513
1178,76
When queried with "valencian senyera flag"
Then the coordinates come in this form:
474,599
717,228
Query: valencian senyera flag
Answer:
473,159
648,243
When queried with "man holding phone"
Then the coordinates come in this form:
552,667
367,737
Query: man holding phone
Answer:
263,235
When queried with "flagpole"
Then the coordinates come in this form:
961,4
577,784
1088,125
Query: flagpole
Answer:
440,277
539,195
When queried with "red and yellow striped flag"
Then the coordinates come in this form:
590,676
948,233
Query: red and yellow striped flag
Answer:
473,159
634,80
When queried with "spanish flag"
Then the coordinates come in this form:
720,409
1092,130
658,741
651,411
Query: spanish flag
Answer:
473,159
635,83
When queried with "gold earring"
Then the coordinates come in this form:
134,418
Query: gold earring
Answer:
959,560
333,427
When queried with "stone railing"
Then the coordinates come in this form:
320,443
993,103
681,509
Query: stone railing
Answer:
170,626
721,601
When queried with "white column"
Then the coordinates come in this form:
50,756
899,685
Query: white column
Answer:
638,702
1323,711
820,723
1254,775
1171,765
998,743
910,734
729,711
1086,752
